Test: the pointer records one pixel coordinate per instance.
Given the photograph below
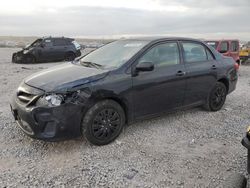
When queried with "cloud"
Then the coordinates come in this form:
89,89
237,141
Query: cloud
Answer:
202,19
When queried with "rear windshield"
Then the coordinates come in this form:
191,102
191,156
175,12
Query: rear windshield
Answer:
114,54
77,46
214,44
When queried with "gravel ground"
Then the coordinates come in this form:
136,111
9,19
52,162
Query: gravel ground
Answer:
191,148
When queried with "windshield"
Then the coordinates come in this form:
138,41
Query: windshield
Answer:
34,44
114,54
214,44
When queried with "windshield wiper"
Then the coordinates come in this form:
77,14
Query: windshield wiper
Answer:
90,64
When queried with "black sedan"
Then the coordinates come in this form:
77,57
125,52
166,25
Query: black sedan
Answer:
119,83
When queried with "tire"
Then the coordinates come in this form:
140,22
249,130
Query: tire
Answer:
30,59
217,97
103,122
235,181
70,56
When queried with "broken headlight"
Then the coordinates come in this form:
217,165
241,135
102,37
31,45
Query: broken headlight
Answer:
50,100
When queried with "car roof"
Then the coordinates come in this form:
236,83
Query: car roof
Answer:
66,38
219,40
153,38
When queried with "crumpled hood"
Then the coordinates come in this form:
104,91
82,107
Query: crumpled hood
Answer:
64,77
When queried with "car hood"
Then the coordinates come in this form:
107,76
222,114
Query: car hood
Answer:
64,77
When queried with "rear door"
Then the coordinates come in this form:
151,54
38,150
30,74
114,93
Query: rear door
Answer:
201,71
163,88
60,48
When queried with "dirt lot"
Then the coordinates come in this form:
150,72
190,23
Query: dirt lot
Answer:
191,148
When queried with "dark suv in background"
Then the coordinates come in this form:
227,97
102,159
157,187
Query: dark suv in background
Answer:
48,49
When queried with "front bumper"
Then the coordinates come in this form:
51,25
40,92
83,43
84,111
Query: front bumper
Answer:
48,123
17,57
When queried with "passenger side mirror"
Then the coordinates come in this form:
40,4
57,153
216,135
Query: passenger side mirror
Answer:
145,66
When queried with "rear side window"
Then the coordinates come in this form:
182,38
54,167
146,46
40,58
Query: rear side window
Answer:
77,46
162,55
234,46
59,42
224,47
194,52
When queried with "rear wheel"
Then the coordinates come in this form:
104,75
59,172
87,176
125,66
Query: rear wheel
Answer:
103,122
217,97
70,56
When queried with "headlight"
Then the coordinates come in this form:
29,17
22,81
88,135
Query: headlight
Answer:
248,129
25,51
55,100
50,100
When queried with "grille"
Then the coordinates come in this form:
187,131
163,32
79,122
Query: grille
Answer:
27,94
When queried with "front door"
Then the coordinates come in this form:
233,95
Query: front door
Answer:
46,51
163,88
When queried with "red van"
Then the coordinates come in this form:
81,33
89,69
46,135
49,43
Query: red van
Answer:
227,47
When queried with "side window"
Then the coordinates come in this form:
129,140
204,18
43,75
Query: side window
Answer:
234,46
194,52
59,42
48,43
162,55
224,47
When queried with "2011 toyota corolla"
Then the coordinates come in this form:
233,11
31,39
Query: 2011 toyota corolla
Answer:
119,83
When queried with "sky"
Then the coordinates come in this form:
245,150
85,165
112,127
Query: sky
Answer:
208,19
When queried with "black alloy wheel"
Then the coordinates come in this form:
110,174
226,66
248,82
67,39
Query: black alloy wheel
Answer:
106,123
217,97
103,122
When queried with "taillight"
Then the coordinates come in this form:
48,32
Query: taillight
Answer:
236,66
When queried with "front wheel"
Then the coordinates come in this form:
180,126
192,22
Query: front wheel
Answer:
217,97
30,59
103,122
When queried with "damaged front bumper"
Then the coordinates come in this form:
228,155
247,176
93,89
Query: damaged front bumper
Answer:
18,57
47,122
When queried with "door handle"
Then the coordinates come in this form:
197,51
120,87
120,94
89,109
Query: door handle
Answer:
214,67
180,73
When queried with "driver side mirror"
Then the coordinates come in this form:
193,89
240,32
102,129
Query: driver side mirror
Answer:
144,66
